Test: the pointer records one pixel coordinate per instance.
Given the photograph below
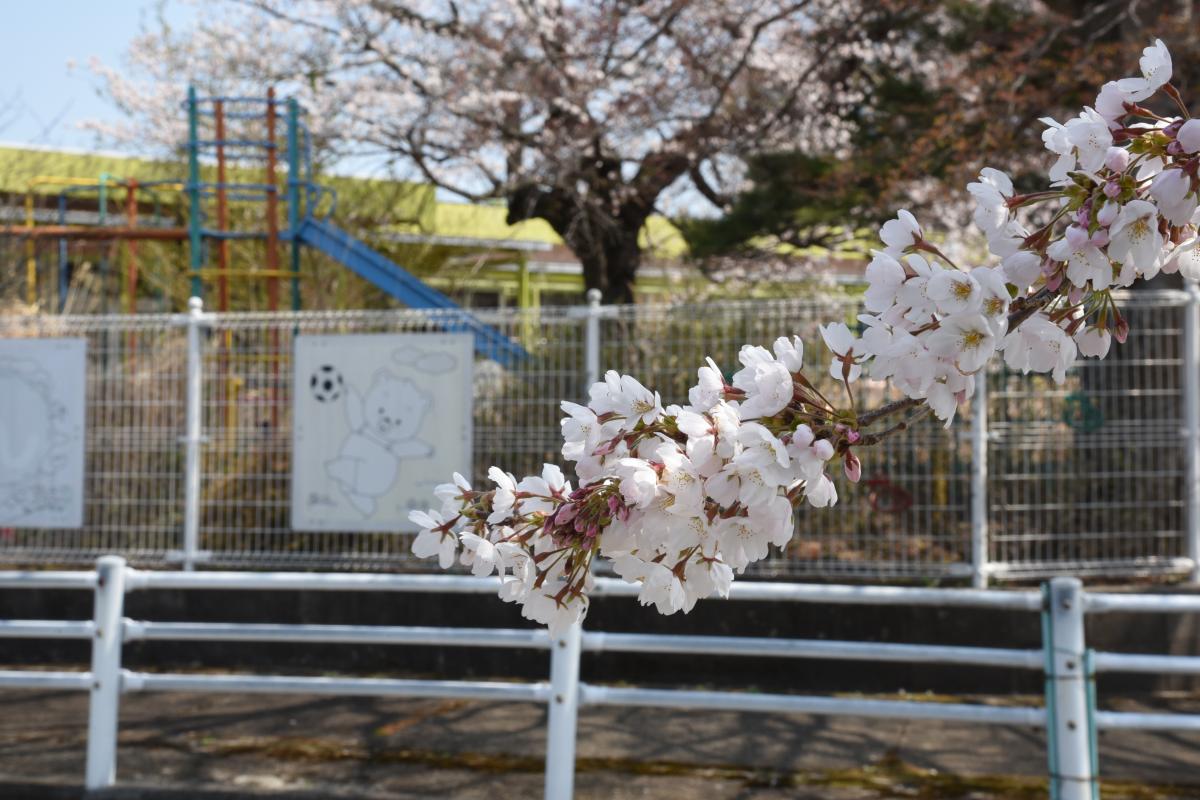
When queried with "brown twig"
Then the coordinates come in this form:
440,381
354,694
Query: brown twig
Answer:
1025,307
902,425
887,410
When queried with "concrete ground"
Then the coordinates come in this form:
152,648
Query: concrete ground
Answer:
238,746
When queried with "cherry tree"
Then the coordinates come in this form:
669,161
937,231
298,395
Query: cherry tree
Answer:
580,114
681,498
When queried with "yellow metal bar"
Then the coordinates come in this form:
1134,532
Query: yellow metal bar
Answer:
60,180
523,289
232,395
254,357
212,272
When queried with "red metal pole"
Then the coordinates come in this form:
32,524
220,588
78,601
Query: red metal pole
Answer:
222,210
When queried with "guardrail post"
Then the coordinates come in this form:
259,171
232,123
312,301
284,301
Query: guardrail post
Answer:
1191,401
103,707
979,481
1068,721
193,434
591,340
564,709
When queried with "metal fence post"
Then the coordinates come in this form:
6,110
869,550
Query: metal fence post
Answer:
564,710
1191,400
193,434
1068,721
103,707
565,651
979,484
591,341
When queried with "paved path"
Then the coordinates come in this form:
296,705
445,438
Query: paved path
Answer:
226,746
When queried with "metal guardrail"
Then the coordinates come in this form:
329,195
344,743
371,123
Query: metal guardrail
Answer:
1069,716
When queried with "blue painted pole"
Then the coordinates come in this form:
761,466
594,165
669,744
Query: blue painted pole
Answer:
193,190
102,207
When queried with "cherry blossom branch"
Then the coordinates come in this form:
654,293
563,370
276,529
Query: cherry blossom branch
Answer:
679,498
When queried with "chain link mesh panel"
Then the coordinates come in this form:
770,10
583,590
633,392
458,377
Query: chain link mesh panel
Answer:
1084,477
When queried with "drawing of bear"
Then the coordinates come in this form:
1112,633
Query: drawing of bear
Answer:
383,429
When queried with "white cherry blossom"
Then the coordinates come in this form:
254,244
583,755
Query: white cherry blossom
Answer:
954,292
1189,136
885,276
1156,72
1110,103
710,388
1085,263
1135,237
1185,259
840,342
900,233
1093,342
1172,192
431,542
992,192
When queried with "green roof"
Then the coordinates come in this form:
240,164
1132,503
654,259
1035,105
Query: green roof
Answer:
20,165
488,222
404,205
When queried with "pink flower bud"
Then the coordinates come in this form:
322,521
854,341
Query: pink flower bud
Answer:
852,436
1099,238
566,513
853,467
1111,189
1175,148
1054,281
1117,159
1075,296
1121,331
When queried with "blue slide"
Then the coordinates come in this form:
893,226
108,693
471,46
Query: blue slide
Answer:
406,287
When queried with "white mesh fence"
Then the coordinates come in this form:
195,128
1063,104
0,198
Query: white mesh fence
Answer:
1086,477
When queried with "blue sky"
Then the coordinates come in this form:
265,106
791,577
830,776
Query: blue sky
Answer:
42,98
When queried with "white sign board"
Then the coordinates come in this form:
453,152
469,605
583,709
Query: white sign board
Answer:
379,421
42,388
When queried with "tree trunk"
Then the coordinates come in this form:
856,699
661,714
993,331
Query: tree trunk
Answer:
606,246
610,263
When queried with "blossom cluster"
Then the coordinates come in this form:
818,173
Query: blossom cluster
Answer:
681,497
1121,206
678,498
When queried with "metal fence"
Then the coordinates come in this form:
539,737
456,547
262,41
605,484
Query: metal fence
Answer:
1090,477
1070,715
